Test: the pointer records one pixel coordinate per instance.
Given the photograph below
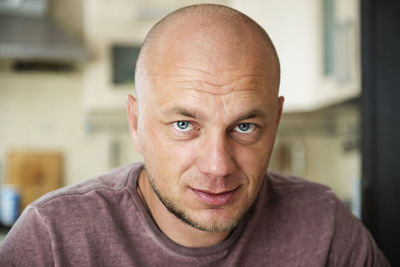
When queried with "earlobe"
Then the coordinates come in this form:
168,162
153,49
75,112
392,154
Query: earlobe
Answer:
133,119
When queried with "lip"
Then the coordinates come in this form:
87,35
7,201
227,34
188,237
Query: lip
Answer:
215,199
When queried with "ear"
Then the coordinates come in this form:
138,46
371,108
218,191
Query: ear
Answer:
133,116
281,99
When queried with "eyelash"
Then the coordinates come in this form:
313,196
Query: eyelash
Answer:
175,125
253,126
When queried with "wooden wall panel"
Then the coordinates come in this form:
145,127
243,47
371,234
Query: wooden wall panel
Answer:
34,173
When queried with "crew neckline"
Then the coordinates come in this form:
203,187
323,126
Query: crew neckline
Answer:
164,240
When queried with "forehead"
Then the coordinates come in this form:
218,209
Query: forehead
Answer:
214,66
206,61
214,81
206,94
201,104
206,84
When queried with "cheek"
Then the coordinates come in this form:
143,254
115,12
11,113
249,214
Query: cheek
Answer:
170,158
253,160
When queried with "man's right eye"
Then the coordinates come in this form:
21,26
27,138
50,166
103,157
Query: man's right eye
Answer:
182,126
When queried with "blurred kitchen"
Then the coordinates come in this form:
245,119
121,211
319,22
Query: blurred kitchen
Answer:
66,68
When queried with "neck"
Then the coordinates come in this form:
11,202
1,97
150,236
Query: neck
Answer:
178,231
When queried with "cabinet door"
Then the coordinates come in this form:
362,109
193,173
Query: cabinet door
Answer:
33,173
309,42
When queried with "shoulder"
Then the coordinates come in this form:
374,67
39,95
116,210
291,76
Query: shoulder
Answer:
291,203
291,188
283,180
105,184
56,225
314,210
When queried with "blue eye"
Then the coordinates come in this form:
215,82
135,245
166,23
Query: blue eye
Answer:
245,128
182,126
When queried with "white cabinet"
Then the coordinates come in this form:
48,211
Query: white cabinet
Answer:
106,24
314,73
311,78
119,22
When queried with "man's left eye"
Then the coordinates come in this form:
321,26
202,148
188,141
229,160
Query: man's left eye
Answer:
245,128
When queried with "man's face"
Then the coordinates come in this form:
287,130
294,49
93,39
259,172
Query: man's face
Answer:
206,132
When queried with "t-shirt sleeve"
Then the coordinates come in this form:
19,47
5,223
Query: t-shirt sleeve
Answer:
28,242
352,244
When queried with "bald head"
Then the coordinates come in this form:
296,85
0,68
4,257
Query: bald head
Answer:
218,36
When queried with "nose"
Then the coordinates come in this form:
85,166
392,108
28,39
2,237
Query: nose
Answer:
215,156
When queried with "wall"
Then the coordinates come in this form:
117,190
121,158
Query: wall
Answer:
323,146
294,27
44,111
68,14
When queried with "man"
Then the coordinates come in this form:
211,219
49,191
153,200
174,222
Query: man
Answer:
205,120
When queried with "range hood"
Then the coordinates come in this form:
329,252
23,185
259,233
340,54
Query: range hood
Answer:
27,33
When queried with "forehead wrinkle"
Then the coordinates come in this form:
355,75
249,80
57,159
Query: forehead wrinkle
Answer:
221,88
192,72
213,84
217,93
195,108
192,69
221,84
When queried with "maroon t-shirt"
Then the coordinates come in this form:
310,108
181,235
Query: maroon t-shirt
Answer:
102,222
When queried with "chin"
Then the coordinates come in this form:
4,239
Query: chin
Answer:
211,220
214,223
208,219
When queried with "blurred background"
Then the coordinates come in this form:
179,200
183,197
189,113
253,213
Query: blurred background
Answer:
66,68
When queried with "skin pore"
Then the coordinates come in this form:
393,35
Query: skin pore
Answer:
205,121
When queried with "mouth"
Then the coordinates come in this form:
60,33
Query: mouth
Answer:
216,199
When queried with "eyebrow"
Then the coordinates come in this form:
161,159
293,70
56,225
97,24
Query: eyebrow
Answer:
184,112
254,113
